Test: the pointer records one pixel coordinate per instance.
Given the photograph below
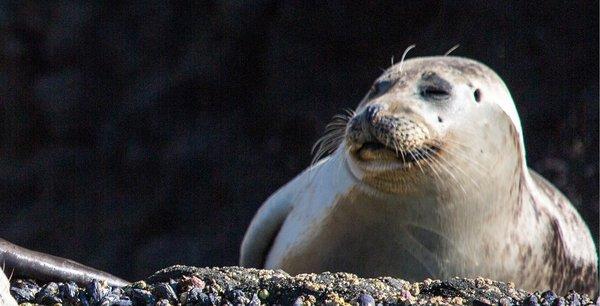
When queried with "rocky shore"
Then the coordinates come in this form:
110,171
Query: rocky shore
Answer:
182,285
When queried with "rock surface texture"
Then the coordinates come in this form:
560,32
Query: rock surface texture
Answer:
182,285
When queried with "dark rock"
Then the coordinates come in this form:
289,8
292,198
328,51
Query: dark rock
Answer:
482,302
23,294
96,291
165,291
68,291
48,294
196,296
505,302
142,296
531,300
109,299
237,296
560,302
239,286
163,302
83,298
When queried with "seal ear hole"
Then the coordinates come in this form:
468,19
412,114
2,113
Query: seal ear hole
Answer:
440,119
477,95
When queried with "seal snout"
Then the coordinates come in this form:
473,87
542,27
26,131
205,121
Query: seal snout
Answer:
377,133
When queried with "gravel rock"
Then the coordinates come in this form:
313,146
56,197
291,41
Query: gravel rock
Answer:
165,291
181,285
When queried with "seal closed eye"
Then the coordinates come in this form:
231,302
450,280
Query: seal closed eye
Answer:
410,195
434,87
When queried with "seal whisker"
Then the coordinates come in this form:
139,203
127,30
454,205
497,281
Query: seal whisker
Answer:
478,170
333,136
430,163
417,161
460,151
451,49
459,169
327,147
436,162
397,149
11,274
428,160
404,56
455,164
471,162
440,161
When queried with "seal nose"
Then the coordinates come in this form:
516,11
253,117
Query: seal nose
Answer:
361,127
372,111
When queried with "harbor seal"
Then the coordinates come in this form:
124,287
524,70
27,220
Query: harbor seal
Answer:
426,179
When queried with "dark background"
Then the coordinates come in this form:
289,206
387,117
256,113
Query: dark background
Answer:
136,136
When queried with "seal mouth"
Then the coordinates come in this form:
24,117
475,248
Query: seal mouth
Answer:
377,151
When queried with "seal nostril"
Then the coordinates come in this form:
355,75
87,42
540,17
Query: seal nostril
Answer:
477,95
372,111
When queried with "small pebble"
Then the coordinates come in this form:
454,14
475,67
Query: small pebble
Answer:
196,296
118,290
163,302
255,301
573,298
481,302
124,301
188,282
505,302
237,297
365,300
560,302
109,300
531,300
299,302
405,294
549,296
139,285
263,294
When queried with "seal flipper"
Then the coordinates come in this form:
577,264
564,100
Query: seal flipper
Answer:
263,230
6,298
45,267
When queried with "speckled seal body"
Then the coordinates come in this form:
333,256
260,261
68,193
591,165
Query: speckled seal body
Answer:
429,180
